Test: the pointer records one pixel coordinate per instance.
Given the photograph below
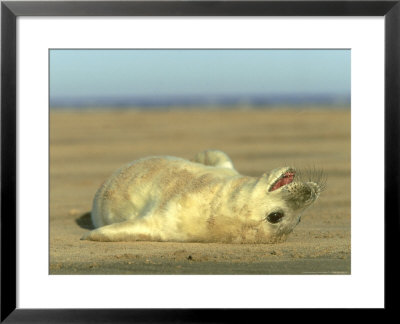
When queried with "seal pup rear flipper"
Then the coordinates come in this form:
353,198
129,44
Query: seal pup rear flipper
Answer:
214,158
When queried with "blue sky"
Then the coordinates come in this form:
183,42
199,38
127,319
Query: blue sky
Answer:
149,73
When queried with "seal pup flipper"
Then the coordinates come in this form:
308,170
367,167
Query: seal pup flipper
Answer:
130,230
215,158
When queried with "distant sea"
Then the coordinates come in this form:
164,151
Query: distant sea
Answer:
226,101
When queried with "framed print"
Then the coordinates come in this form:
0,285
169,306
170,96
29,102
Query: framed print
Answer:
271,112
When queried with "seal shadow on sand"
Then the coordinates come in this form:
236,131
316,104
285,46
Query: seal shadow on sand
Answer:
85,221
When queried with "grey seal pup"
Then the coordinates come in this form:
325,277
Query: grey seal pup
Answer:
164,198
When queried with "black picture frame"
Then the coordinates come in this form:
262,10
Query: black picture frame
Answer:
10,10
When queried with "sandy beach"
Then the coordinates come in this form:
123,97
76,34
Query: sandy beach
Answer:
86,146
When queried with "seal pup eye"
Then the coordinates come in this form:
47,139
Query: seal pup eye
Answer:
275,217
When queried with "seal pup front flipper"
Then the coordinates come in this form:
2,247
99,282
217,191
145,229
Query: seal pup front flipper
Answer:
130,230
214,158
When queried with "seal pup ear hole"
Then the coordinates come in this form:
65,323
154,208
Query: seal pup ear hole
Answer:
275,217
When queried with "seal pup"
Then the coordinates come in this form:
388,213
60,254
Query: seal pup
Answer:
164,198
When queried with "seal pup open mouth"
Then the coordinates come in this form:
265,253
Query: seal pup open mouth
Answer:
164,198
286,178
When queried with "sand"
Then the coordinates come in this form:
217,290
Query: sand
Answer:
87,146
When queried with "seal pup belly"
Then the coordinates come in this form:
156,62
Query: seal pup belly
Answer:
165,198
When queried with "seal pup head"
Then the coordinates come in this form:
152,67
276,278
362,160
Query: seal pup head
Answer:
284,195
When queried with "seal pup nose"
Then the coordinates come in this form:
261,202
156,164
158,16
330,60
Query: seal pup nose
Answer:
302,194
313,191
